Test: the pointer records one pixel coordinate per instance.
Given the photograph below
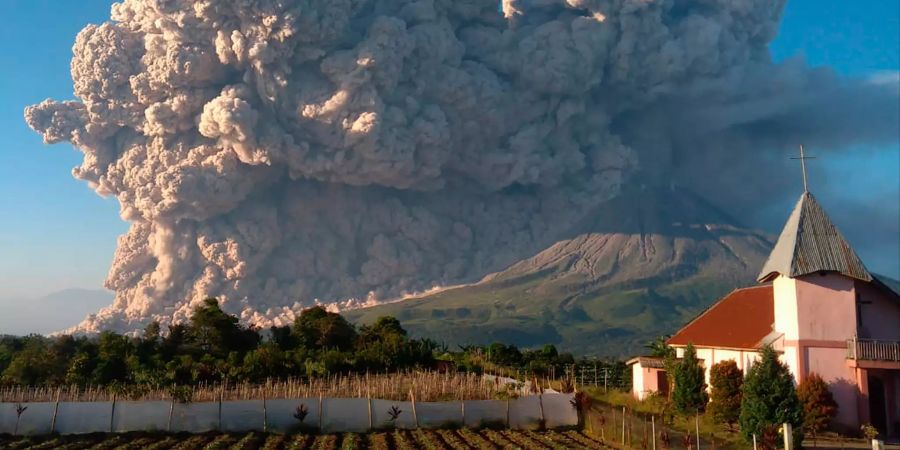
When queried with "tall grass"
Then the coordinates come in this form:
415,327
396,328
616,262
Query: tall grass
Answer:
427,386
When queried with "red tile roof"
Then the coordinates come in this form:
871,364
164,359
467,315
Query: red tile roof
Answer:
740,320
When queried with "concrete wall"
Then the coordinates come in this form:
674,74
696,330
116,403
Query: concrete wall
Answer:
337,415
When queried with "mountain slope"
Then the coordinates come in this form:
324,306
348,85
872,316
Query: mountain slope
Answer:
50,313
643,265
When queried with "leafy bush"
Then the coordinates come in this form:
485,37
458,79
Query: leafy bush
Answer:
725,392
819,407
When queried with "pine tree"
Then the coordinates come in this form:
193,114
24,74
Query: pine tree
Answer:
769,400
689,395
725,392
819,406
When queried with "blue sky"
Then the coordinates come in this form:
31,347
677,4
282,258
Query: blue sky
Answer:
55,233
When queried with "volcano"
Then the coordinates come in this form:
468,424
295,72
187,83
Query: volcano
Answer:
655,258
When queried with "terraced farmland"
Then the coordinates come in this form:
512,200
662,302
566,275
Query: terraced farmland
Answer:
459,439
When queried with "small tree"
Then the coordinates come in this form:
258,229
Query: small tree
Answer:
689,394
819,406
725,392
769,399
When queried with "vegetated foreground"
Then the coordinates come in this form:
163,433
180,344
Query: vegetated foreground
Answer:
398,439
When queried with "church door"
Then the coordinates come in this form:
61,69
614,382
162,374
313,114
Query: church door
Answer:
877,404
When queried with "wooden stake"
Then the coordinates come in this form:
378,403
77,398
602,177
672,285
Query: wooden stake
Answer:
507,413
265,414
55,412
369,403
462,407
320,411
697,424
171,410
653,430
112,414
412,396
221,394
543,419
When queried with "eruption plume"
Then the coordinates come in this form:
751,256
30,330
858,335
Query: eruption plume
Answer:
274,153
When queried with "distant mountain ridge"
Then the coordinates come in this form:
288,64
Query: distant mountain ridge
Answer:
645,263
50,313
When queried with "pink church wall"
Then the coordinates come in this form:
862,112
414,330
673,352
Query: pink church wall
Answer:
879,315
825,320
831,365
826,307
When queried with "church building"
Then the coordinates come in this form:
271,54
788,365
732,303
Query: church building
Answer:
821,309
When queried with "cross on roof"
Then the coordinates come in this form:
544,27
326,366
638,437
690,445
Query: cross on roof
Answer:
803,159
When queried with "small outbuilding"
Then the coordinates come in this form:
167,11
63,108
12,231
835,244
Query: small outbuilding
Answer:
648,376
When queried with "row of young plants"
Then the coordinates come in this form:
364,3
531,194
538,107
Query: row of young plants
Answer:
446,439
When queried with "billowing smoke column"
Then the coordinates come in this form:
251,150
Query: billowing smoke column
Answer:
278,152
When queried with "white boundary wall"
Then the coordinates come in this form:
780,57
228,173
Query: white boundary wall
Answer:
335,415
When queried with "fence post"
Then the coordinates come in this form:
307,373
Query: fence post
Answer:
412,397
55,411
653,431
112,413
877,445
221,395
697,425
788,432
265,414
369,404
754,441
462,408
543,419
320,411
171,410
507,412
623,426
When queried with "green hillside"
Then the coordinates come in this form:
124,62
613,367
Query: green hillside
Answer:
601,324
652,261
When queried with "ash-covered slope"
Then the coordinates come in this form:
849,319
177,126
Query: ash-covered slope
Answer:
652,259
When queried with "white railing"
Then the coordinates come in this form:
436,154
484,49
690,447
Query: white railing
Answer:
873,350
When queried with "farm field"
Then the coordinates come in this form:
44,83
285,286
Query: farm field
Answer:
456,439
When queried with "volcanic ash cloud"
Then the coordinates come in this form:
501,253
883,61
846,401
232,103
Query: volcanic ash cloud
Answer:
275,153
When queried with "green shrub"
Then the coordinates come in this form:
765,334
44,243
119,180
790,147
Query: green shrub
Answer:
770,399
689,395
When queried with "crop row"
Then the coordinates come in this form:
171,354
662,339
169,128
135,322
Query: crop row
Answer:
448,439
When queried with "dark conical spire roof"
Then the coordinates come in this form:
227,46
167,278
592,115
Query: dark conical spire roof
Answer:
811,243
